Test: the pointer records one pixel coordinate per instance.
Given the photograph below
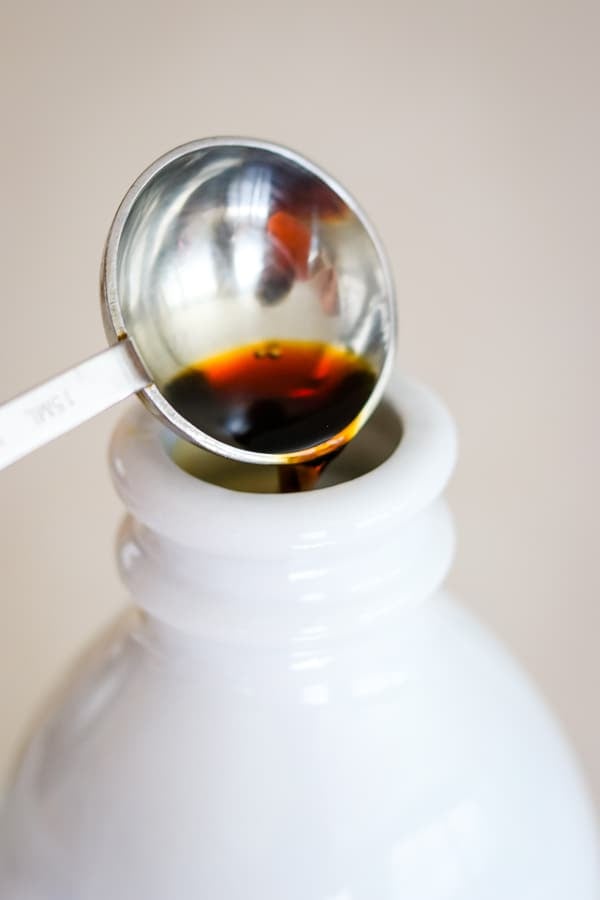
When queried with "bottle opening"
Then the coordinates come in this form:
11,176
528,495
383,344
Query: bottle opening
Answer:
376,441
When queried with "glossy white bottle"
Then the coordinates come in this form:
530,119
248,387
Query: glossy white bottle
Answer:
296,710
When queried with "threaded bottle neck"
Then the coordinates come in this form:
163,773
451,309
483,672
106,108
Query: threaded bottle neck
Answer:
236,565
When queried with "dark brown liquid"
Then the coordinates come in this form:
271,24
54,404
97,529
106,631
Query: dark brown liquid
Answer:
278,397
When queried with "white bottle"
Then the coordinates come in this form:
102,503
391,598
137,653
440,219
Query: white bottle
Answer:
297,711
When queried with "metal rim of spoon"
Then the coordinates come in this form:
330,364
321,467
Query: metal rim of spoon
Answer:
225,187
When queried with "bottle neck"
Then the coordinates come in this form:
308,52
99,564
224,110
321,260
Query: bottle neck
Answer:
264,568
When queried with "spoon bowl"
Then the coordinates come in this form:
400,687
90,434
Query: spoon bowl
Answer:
224,243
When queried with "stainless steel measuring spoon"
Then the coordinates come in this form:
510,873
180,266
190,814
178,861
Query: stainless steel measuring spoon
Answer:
196,262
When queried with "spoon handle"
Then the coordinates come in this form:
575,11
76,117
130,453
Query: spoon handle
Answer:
65,401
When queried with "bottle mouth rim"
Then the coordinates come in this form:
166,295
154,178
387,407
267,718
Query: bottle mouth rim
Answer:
167,499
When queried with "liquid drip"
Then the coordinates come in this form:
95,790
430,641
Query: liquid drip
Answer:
277,397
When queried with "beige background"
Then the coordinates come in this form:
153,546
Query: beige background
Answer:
470,132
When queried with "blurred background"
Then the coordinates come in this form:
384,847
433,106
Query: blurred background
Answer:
470,133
